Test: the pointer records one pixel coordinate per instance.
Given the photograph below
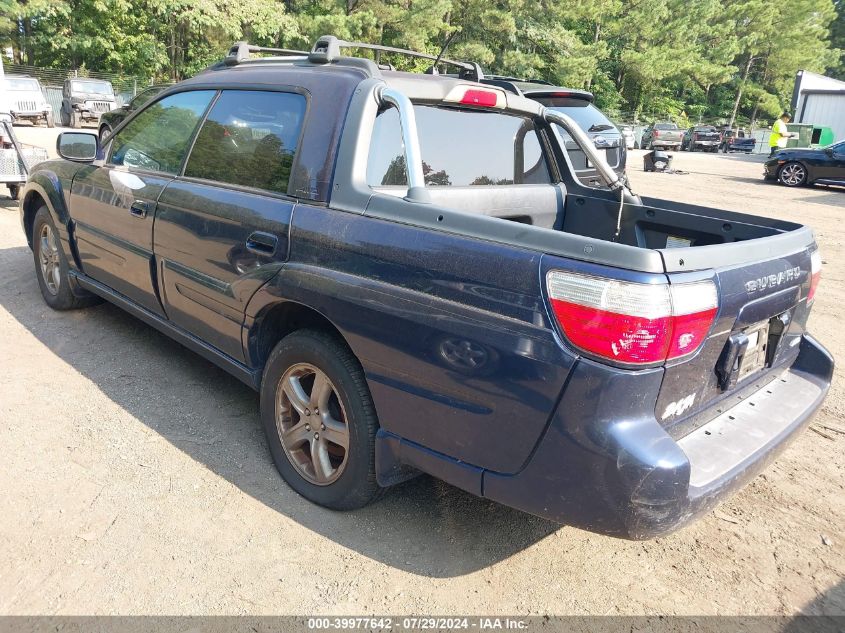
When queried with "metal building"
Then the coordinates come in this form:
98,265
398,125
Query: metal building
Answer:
819,100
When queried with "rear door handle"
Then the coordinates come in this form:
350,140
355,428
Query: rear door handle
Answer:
139,209
262,243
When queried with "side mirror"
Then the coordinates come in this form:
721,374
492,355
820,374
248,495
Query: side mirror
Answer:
828,151
80,147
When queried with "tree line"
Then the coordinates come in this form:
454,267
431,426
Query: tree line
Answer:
691,59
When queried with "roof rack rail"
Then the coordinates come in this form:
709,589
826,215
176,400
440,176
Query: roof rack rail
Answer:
327,49
240,52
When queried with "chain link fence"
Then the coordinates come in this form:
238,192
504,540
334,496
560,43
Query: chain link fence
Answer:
52,80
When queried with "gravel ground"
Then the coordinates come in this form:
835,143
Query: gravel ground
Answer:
136,480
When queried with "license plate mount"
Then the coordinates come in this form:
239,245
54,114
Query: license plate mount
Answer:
754,358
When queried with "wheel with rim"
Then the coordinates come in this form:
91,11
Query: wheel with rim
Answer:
75,120
320,420
792,174
51,267
49,120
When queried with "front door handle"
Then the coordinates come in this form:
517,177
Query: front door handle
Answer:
262,243
139,209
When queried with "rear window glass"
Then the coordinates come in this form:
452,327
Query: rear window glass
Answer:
459,148
665,126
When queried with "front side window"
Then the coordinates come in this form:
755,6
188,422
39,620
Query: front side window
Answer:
249,139
157,139
459,148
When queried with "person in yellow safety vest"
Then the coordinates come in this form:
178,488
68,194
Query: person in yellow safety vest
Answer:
779,135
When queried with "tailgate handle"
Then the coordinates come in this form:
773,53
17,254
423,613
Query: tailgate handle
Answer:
731,358
262,243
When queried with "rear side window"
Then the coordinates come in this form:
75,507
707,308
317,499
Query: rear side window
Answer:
157,139
249,138
459,148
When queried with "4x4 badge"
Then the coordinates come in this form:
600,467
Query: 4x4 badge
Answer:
770,281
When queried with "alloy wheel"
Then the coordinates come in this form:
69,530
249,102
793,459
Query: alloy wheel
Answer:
793,174
48,257
312,424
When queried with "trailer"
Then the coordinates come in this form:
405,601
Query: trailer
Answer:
16,159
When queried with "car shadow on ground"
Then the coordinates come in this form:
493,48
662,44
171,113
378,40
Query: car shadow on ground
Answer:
422,526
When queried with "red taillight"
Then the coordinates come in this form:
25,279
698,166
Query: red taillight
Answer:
657,132
632,323
815,274
482,98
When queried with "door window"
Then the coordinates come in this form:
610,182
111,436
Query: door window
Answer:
157,139
249,138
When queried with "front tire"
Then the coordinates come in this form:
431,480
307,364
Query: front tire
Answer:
792,174
49,120
320,420
75,119
51,267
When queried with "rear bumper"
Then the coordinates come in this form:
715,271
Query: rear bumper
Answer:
610,467
706,143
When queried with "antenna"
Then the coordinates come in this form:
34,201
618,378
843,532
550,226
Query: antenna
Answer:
432,70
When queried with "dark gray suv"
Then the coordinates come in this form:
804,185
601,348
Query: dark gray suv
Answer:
84,100
579,105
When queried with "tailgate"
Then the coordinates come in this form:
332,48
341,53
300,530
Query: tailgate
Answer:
763,312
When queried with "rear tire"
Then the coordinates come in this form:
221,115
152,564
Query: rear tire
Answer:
320,469
51,267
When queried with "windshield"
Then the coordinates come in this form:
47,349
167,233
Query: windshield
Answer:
665,126
21,84
91,86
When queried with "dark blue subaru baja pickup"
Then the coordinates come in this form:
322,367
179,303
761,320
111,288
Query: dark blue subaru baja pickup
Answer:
407,270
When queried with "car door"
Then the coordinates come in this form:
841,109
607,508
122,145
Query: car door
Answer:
113,202
836,164
221,229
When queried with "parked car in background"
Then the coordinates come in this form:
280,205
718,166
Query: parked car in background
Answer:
736,141
628,135
84,100
111,119
26,101
662,136
579,105
705,137
406,269
794,167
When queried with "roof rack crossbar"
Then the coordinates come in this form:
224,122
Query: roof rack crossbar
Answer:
327,49
240,52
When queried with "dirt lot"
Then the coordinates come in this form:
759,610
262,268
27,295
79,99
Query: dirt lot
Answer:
135,479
